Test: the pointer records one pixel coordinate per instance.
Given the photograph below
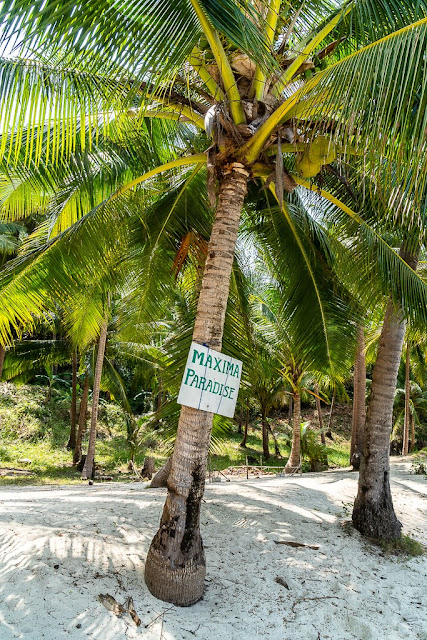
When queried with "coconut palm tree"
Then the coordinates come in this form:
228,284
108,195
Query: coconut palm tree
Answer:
235,71
359,401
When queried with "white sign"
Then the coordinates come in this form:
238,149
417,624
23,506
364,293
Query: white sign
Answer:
211,381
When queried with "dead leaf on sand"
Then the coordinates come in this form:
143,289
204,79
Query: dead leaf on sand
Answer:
118,609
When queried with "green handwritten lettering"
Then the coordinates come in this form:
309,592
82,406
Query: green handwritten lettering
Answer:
190,372
198,356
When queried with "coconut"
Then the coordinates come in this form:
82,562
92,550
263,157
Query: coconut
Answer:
241,63
322,151
306,168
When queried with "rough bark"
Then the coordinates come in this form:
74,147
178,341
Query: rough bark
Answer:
359,402
88,469
295,456
2,355
161,477
319,414
407,421
373,512
175,566
290,409
73,409
265,442
82,421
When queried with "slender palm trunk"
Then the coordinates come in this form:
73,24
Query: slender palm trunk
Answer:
407,422
373,512
276,444
319,414
411,448
88,468
295,455
2,355
290,409
245,435
82,421
162,475
359,408
265,442
73,409
175,566
331,413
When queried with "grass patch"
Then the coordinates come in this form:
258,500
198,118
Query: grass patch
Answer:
403,546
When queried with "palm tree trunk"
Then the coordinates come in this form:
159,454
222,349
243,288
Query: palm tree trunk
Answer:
175,566
359,408
265,443
411,448
240,423
276,444
319,414
406,425
82,421
295,456
290,409
73,409
245,435
88,469
373,512
2,355
328,433
162,475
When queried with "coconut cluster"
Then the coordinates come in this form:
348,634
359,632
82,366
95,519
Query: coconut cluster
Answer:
321,151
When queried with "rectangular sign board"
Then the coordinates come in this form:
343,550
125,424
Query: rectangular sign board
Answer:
211,381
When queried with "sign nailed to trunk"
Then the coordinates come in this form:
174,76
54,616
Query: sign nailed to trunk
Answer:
211,381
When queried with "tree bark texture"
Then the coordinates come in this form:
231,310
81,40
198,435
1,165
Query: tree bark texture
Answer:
175,566
290,409
295,456
82,421
359,402
319,414
161,477
373,512
88,469
73,409
2,355
407,421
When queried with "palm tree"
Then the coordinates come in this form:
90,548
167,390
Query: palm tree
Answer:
73,409
373,511
232,71
89,465
359,400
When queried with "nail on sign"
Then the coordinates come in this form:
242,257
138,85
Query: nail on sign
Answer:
211,381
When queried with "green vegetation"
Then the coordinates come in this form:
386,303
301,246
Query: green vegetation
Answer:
403,546
36,430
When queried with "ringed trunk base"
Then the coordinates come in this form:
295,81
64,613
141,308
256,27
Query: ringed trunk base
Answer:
289,470
376,518
180,584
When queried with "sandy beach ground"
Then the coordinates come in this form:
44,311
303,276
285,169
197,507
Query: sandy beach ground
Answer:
63,546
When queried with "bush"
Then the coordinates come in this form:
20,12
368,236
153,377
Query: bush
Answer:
312,450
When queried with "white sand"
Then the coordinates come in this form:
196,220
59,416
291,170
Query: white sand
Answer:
62,546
